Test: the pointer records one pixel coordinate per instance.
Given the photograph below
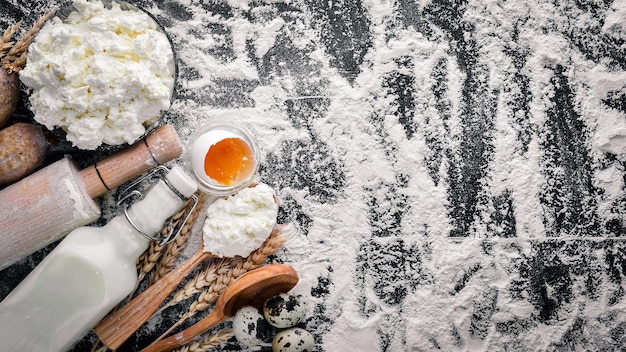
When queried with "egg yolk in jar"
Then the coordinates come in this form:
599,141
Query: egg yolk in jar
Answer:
229,161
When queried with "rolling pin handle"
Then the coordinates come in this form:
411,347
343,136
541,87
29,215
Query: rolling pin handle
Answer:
95,166
156,149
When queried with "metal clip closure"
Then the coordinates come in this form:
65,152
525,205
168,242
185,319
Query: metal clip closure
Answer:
130,192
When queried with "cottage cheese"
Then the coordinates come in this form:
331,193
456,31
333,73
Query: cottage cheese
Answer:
101,75
239,224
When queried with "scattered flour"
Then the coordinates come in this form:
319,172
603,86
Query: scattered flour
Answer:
370,160
377,157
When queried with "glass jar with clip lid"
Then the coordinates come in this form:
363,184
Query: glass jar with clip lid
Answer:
92,269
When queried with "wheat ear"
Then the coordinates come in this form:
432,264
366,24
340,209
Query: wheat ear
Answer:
5,40
4,47
207,342
168,259
15,58
8,33
224,273
149,259
217,269
239,266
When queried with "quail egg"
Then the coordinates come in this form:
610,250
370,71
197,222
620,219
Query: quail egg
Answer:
293,340
250,328
284,310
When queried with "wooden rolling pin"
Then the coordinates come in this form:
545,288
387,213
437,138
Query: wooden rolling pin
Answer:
48,204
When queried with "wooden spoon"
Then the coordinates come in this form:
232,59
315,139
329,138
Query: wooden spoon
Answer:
252,288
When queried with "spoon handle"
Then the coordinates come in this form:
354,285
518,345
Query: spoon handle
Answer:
215,317
121,324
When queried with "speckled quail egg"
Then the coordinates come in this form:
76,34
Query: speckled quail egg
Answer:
284,310
250,328
293,340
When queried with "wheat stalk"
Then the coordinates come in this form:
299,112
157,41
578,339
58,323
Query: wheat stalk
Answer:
207,342
15,59
8,33
150,257
218,275
4,47
168,259
5,43
202,279
217,270
238,267
20,62
148,260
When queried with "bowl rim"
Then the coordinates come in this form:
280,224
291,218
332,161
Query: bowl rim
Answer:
245,132
62,12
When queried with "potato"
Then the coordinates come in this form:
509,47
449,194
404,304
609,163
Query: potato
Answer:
9,94
23,148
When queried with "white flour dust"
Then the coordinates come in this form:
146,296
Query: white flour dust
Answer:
373,155
454,170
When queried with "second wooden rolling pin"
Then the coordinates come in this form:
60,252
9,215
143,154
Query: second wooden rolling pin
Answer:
46,205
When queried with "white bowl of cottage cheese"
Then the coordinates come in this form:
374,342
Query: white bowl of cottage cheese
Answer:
103,72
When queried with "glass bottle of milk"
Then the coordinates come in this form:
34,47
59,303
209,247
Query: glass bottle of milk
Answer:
87,274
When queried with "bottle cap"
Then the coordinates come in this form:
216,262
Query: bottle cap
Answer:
181,181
